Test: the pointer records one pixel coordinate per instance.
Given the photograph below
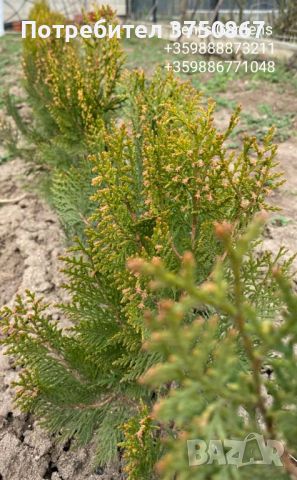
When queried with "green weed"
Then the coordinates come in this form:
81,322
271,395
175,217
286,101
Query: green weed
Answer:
266,118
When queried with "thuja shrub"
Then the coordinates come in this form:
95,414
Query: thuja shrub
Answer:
71,87
163,179
35,71
73,91
36,90
214,368
83,83
85,87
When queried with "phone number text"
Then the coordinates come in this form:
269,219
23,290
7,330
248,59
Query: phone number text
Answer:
222,66
220,48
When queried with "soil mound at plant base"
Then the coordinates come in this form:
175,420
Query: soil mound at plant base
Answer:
31,241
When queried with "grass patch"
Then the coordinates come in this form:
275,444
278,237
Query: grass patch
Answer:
281,76
215,83
146,53
280,221
10,52
259,125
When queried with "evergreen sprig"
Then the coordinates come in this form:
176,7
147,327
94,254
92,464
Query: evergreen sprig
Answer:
217,387
73,90
71,86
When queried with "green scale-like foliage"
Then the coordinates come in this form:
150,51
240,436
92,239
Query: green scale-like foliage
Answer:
71,191
73,91
35,73
162,180
217,390
71,86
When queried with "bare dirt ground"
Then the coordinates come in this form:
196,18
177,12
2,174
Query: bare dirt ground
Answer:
31,241
282,230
